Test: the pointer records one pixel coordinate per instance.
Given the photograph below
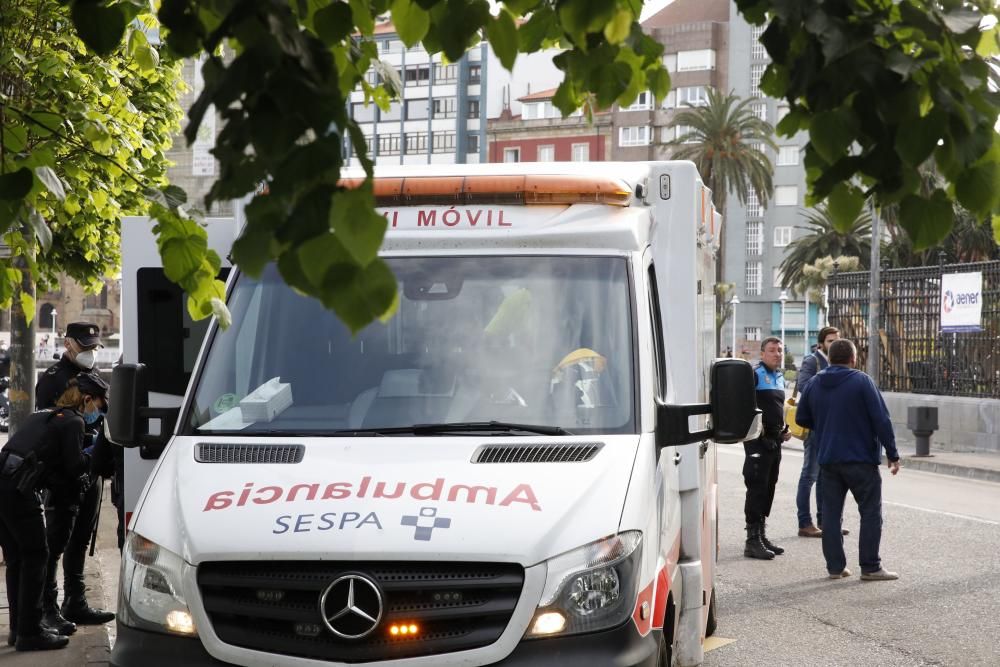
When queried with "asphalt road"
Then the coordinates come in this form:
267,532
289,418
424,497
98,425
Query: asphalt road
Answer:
942,534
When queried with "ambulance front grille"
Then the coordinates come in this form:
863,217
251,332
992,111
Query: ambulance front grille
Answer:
239,453
573,453
274,607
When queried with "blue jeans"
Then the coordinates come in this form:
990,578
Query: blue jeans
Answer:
865,484
808,477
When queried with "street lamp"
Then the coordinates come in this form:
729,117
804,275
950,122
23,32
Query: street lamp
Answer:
735,301
54,344
783,298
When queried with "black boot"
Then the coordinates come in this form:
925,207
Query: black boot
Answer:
77,610
768,543
755,546
46,640
11,638
53,620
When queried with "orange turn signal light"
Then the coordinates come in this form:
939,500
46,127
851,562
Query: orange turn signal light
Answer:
403,629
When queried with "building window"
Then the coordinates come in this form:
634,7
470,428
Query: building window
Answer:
786,195
512,155
416,75
372,77
670,101
388,144
689,61
473,110
757,50
390,46
97,301
751,285
444,142
756,71
473,143
754,209
670,62
667,133
581,152
695,96
416,142
444,107
751,333
782,236
394,112
363,113
547,153
416,109
368,144
760,110
644,102
777,275
755,237
445,73
689,132
788,156
633,136
475,73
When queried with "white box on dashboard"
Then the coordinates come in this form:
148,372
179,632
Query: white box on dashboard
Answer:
267,401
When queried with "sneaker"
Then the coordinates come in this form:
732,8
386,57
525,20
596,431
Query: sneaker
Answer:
842,574
880,574
810,531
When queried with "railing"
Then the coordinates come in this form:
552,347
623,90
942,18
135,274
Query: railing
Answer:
916,356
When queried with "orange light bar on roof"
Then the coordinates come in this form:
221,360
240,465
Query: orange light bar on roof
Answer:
510,189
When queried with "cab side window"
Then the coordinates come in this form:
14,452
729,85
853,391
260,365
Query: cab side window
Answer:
659,368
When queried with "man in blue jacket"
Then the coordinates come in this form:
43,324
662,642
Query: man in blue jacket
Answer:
852,423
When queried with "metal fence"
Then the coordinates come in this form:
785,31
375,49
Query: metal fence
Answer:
916,356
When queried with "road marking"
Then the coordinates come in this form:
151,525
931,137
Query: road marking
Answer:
712,643
943,513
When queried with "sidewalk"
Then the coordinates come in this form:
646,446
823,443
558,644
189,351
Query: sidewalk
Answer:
91,645
984,467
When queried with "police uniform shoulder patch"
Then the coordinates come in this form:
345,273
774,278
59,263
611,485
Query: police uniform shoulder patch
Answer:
52,370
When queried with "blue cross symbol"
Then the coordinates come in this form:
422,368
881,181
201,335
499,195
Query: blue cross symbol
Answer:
425,523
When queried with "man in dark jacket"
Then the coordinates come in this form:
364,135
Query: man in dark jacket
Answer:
845,409
763,455
811,365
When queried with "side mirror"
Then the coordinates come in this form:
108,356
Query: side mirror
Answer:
129,413
733,409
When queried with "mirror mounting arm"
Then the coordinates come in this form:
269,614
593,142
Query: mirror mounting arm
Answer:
675,427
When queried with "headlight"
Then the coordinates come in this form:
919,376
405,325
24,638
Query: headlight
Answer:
591,588
152,596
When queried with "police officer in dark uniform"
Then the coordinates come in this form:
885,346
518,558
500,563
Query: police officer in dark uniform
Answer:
69,516
763,455
48,451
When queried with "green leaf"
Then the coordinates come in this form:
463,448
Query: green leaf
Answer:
51,182
362,16
978,188
41,229
619,27
566,98
917,137
15,138
16,184
996,228
43,123
360,296
358,226
832,132
658,81
844,204
534,31
27,306
411,22
582,17
502,34
334,22
926,220
100,27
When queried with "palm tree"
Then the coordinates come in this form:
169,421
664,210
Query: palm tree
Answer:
726,141
823,240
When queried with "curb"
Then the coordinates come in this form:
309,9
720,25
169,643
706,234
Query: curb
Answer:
928,464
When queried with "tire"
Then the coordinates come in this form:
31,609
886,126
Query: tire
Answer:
713,621
663,658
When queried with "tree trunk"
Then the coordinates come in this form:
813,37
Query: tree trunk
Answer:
22,351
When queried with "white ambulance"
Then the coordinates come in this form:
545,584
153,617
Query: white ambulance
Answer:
518,468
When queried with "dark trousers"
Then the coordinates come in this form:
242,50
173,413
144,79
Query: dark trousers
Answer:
807,478
865,484
22,534
760,474
69,529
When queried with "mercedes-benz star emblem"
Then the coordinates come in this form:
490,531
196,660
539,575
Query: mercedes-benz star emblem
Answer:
351,606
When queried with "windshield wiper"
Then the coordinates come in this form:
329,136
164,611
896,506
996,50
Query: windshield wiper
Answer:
453,427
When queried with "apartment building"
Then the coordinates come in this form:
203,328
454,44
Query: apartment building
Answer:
539,133
441,116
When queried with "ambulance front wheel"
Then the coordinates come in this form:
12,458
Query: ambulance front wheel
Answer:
663,659
712,619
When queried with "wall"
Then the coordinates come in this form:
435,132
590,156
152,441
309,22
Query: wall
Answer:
965,424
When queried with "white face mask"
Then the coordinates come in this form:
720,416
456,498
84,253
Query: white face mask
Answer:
86,359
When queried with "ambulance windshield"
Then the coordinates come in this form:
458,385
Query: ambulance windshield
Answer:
540,340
